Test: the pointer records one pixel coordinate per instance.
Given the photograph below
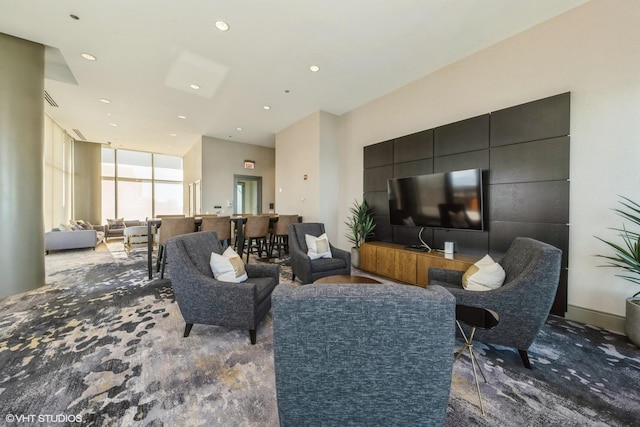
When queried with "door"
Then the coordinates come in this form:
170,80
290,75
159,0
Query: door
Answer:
247,193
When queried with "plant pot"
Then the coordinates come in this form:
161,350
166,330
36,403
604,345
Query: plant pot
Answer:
632,321
355,257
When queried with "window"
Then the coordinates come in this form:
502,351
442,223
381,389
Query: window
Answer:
137,185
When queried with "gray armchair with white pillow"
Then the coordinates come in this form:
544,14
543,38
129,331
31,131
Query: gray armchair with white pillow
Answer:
523,302
206,300
320,264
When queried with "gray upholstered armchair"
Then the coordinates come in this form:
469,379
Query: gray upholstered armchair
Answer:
203,299
306,269
362,354
524,300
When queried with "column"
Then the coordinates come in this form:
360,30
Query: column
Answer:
21,165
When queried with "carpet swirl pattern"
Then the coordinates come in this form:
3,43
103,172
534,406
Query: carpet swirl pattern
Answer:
101,345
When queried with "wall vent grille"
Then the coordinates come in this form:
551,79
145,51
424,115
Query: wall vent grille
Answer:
79,134
49,99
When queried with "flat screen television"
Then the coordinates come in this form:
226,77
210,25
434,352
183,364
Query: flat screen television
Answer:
450,200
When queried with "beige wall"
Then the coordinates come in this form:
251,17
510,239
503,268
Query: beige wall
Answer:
87,182
310,147
192,171
591,51
221,160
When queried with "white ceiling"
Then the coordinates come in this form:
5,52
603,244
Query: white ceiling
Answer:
149,52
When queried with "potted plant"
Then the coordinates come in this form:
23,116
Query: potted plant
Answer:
626,256
361,226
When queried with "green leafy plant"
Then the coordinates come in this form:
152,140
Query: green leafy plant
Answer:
626,256
360,223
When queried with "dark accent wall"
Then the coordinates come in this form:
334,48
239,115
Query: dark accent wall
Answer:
523,152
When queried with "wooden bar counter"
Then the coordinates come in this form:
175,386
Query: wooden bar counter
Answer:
395,262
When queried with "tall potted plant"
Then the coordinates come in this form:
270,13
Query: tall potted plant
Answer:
361,226
626,256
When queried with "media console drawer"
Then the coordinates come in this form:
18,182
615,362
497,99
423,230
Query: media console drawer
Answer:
395,262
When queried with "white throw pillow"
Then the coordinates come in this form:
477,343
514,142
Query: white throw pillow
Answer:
228,267
484,275
318,247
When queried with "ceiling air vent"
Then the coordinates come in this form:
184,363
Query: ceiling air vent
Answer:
80,135
49,99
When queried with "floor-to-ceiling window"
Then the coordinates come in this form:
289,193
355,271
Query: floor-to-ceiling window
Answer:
137,185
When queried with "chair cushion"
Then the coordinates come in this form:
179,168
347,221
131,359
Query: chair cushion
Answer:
327,264
264,286
318,247
228,267
484,275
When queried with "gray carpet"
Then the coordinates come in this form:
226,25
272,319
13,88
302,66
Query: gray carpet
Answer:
102,343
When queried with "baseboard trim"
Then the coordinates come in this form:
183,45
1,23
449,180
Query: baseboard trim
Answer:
606,321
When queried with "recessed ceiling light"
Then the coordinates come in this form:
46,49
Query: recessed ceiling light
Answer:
240,129
113,124
106,101
88,57
173,134
314,68
266,107
194,86
222,26
182,117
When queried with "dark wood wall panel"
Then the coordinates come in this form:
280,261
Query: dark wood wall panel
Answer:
409,235
461,137
378,155
419,167
466,242
378,202
531,161
461,161
523,152
536,202
542,119
503,233
413,147
375,179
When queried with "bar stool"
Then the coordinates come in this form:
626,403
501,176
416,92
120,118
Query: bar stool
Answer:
256,230
280,233
220,224
475,317
170,227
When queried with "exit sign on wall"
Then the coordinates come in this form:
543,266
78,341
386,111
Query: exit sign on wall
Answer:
249,164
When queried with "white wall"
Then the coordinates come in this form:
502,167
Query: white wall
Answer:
592,51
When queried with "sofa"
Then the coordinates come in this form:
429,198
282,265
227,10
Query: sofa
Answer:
58,239
115,227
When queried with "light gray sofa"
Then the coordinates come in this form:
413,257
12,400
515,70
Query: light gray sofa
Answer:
56,239
362,354
111,231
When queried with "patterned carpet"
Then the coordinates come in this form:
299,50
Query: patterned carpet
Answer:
102,345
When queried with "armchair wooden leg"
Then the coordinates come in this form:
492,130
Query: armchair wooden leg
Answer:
252,336
164,263
160,252
187,329
525,358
